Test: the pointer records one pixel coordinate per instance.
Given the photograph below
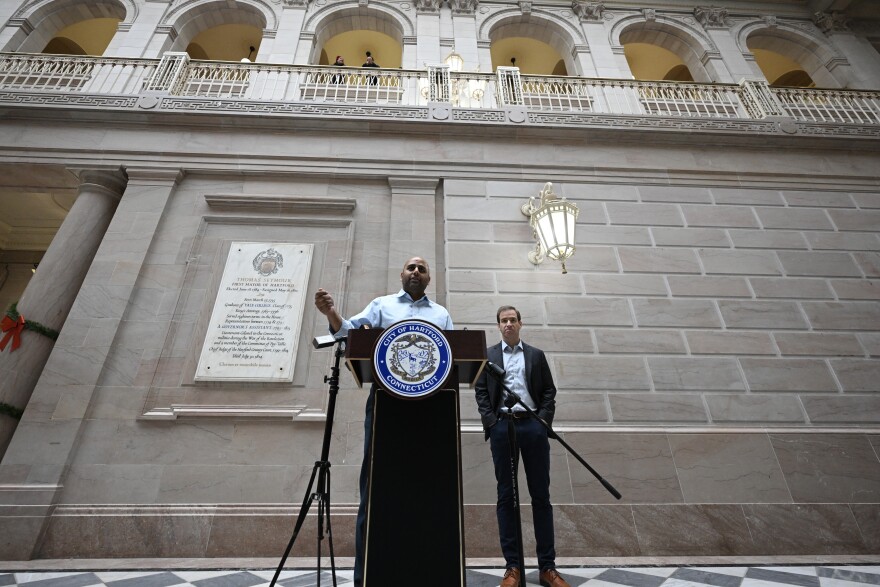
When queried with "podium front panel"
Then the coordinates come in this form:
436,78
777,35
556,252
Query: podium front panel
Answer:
415,504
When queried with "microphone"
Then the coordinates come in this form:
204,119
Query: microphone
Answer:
494,370
320,342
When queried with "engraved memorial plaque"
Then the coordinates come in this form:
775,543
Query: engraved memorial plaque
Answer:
255,324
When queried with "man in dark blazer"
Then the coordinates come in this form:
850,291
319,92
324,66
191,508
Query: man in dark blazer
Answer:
526,373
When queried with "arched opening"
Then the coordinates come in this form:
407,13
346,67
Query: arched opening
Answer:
351,32
222,30
538,46
791,58
63,46
650,62
661,51
352,46
87,37
70,28
781,70
531,56
226,42
679,73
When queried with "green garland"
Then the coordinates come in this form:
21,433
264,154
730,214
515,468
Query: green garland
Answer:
10,411
12,312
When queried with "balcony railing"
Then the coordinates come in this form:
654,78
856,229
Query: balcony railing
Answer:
176,75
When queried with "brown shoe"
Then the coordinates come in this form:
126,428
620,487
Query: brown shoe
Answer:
551,578
511,578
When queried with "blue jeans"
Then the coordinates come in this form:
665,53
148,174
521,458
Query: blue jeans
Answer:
534,448
361,522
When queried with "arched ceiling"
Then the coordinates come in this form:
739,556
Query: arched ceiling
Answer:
533,57
353,47
92,35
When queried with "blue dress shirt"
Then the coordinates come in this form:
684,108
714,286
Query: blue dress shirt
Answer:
515,374
386,310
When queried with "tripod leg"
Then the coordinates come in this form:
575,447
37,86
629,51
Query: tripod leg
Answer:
514,473
307,503
330,532
320,536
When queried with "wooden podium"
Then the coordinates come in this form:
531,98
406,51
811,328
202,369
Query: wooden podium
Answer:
415,514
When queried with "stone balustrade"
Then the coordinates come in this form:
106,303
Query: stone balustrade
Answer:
175,75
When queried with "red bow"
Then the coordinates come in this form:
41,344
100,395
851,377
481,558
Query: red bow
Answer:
13,329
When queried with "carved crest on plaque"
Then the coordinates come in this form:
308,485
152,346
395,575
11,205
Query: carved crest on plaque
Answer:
268,262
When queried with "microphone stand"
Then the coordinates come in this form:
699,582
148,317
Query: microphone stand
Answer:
321,470
513,446
498,373
510,400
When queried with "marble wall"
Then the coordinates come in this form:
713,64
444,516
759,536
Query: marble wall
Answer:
715,342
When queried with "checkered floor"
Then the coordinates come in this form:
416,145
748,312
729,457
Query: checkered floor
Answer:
784,576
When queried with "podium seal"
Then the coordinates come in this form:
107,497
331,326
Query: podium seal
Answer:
412,359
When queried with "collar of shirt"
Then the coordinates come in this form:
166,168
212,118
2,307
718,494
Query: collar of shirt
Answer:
505,346
405,295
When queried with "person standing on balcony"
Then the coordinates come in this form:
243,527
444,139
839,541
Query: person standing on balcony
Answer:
526,373
338,78
373,80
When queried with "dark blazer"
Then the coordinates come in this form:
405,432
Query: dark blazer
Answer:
539,382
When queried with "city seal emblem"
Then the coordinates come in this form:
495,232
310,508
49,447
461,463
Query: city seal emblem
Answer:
268,262
412,359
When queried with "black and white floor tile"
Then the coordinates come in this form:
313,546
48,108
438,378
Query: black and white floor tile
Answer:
721,576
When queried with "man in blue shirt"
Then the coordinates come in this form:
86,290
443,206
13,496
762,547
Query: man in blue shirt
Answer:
527,374
409,303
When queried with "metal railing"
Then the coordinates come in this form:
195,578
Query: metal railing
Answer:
176,74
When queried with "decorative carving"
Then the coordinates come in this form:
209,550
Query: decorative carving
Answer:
711,17
525,6
427,6
831,21
363,3
770,21
650,14
588,11
464,6
479,115
297,3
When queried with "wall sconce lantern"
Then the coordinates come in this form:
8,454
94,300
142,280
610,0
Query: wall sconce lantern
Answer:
552,221
454,61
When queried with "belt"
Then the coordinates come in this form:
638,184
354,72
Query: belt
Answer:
516,415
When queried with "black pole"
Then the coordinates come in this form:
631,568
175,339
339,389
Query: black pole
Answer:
498,373
513,447
321,470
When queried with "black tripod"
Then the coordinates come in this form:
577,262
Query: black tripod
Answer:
321,470
510,400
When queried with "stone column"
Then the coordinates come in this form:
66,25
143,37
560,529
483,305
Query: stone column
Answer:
464,30
863,59
36,461
427,33
284,47
53,288
131,40
414,225
596,59
14,28
727,64
606,64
